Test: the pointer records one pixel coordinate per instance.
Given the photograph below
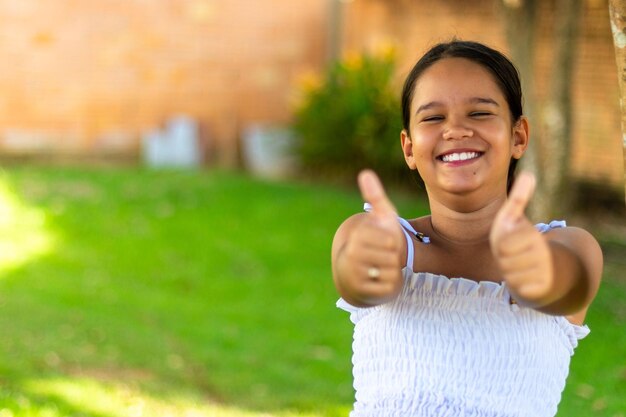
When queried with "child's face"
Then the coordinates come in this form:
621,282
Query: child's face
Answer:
462,137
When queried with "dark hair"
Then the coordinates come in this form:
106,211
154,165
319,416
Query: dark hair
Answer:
502,69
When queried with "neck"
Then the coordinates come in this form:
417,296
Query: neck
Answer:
463,226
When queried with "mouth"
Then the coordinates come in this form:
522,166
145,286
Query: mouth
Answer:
460,156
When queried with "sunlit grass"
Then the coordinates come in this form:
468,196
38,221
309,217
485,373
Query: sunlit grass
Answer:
23,231
116,398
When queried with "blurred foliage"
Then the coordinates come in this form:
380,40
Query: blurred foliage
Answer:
350,119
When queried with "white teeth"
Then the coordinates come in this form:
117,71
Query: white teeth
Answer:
463,156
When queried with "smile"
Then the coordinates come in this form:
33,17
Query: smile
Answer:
459,156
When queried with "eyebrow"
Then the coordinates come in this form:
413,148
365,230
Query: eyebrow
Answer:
473,100
484,100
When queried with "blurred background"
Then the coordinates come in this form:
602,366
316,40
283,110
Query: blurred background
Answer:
173,172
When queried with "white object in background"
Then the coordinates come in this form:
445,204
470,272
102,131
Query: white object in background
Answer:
154,148
267,150
176,146
182,134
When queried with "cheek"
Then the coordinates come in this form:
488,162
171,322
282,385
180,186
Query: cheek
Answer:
420,149
423,140
499,138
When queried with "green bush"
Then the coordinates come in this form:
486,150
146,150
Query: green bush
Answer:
350,119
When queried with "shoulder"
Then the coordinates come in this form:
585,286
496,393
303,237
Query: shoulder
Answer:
421,224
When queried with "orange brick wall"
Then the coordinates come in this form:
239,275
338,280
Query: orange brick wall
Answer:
597,148
91,76
88,75
416,25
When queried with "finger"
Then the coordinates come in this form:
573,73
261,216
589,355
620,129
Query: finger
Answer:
529,290
376,235
373,192
388,280
519,278
519,196
509,215
516,264
522,241
382,259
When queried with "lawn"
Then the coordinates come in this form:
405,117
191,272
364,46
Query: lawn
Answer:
133,293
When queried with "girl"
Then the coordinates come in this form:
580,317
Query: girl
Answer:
472,310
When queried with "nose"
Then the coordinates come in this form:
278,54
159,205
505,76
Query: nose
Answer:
457,131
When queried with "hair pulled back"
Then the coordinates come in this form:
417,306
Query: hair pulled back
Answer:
504,72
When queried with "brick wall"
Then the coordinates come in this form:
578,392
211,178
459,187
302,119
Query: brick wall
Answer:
597,148
91,75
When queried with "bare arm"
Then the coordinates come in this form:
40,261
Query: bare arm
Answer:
557,273
365,241
577,265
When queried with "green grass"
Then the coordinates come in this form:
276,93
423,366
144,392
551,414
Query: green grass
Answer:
597,382
139,293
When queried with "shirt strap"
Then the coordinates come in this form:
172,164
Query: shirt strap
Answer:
554,224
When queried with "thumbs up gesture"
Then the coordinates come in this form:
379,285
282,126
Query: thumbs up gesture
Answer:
368,270
521,251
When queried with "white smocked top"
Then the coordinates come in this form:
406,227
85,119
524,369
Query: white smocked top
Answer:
458,348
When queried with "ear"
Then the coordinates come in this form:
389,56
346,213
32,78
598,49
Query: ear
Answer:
521,137
407,149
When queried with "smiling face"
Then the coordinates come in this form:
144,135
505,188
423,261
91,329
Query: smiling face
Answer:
462,136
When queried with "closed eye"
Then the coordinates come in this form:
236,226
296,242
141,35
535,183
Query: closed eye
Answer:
480,114
432,118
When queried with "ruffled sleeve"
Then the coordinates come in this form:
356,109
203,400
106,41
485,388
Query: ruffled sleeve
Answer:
581,331
344,305
573,332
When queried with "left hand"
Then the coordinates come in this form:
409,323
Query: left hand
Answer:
521,251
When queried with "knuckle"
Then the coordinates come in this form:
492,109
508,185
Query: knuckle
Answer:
398,262
388,241
504,264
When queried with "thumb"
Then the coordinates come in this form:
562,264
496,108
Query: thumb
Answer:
519,196
373,192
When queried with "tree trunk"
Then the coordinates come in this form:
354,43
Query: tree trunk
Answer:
557,112
617,12
551,122
520,24
335,29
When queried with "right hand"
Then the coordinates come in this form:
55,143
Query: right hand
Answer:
371,264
